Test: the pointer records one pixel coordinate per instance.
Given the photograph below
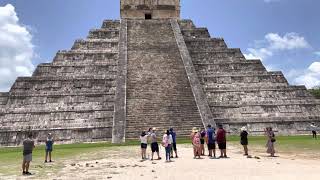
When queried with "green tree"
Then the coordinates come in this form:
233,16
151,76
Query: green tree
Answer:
315,91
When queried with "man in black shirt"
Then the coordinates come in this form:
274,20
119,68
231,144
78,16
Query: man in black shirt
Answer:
28,146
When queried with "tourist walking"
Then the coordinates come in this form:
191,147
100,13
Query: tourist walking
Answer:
314,130
210,140
49,147
202,141
222,141
166,143
244,140
195,138
154,144
270,141
28,146
174,143
144,144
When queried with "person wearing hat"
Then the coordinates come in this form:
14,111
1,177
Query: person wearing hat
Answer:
244,140
174,142
195,138
49,147
154,143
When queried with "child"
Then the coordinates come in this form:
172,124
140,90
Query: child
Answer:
144,144
167,142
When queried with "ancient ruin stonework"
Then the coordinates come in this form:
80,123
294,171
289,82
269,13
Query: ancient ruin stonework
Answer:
138,73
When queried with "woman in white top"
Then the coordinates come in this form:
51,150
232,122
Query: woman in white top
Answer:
167,142
144,144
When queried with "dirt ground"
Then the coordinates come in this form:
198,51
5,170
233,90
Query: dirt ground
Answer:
124,164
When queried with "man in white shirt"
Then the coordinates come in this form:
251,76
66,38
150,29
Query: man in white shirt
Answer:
314,130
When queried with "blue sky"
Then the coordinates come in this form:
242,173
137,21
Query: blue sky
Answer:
283,33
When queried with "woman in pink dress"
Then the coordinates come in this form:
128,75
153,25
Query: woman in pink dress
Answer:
270,141
195,138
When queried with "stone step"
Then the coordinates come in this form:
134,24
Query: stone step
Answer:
82,57
75,70
96,44
111,24
242,66
230,54
186,24
205,44
196,33
111,34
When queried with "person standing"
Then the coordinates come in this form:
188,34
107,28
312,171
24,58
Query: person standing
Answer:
244,140
166,143
314,130
28,146
174,143
195,138
154,144
202,141
270,141
222,141
144,144
49,147
210,140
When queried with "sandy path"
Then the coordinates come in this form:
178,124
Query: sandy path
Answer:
237,167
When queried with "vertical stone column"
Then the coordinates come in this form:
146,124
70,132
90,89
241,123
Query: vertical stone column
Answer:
198,93
119,117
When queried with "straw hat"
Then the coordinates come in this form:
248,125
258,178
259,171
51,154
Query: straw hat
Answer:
194,130
153,129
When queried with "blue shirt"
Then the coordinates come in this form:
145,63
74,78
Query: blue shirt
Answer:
173,134
210,134
49,144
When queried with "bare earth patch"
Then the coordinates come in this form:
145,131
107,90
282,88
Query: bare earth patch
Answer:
123,163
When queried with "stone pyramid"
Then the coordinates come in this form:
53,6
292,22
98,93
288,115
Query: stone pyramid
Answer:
150,69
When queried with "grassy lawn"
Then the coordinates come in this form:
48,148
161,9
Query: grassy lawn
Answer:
10,158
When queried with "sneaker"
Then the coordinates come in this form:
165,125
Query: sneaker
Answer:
28,173
23,173
45,161
177,157
159,158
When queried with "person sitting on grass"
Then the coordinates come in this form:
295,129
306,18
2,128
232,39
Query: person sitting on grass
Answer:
210,140
195,138
222,141
244,140
28,146
144,144
154,144
49,147
166,143
270,141
174,143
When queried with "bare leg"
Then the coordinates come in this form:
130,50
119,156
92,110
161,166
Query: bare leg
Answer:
152,155
141,153
50,156
214,152
245,149
46,156
27,166
158,155
23,166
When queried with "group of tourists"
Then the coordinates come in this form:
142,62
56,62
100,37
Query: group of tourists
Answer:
28,146
168,142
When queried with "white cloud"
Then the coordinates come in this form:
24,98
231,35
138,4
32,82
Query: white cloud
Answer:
311,77
16,48
274,43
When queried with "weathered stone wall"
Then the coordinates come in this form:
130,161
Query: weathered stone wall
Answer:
241,92
159,9
72,97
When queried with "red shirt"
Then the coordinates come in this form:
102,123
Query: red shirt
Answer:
221,136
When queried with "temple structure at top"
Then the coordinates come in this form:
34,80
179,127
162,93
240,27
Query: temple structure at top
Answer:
150,9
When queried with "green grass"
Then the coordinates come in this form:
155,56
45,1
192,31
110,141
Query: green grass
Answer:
10,158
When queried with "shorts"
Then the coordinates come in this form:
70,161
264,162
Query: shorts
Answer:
211,146
174,146
144,146
314,132
154,147
48,150
222,145
27,157
202,141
